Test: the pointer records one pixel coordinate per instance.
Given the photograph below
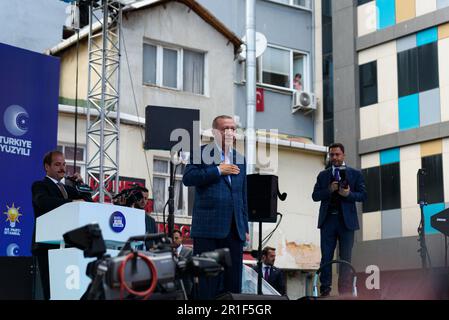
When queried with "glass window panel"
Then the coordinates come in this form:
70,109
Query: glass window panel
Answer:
69,153
160,166
298,71
372,182
360,2
368,83
328,134
302,3
408,72
428,67
327,38
276,67
159,194
193,77
433,181
149,63
170,67
390,186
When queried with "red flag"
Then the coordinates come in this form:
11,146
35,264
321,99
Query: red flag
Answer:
259,100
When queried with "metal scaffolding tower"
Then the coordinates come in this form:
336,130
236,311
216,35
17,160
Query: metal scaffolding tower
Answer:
103,113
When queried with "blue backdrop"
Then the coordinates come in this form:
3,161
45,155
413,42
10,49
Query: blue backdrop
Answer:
29,89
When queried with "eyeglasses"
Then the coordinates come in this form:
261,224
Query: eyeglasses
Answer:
224,129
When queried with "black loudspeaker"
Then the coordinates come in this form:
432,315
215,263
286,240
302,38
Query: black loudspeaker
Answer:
262,198
166,127
421,181
16,278
245,296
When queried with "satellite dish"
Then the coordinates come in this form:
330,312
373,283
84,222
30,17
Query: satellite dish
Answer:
261,45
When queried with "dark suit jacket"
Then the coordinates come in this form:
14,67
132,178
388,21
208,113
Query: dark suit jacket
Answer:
186,252
217,201
46,197
150,224
358,194
275,279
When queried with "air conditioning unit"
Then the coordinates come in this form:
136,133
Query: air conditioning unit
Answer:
303,100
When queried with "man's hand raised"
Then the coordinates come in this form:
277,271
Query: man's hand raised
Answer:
228,169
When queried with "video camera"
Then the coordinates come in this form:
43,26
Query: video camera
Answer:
83,189
129,196
135,274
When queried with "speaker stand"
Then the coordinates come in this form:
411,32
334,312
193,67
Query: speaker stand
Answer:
171,197
422,237
259,261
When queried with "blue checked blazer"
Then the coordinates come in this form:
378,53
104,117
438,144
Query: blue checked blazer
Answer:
216,200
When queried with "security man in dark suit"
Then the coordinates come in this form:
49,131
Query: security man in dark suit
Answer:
183,253
48,194
220,212
338,188
270,273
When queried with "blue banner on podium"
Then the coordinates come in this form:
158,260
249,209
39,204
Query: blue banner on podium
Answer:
29,89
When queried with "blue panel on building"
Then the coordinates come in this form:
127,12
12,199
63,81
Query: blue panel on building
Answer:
409,112
427,36
429,211
389,156
386,15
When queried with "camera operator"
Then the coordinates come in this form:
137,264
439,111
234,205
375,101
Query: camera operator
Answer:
48,194
137,197
338,188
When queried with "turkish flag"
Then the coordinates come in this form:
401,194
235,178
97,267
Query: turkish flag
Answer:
259,100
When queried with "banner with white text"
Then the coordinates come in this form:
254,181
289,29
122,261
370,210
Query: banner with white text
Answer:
29,89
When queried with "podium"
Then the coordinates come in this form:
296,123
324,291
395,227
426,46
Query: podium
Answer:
67,266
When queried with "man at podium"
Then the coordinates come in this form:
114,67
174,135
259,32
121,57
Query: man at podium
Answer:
48,194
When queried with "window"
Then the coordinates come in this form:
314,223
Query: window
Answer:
299,3
161,182
368,83
372,182
408,72
383,187
418,69
360,2
428,67
278,67
433,182
390,184
175,68
193,72
69,154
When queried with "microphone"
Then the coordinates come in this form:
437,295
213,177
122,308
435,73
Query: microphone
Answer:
342,175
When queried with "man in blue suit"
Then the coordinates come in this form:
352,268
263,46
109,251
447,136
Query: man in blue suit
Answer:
220,211
338,188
